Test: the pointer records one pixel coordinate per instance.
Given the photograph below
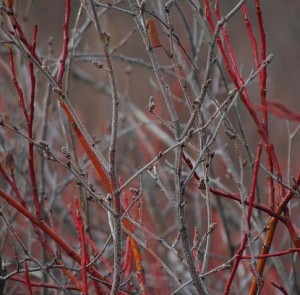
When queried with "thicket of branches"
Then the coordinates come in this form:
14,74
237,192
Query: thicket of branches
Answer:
138,159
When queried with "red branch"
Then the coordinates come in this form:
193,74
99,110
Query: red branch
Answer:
37,203
17,86
280,288
219,42
136,253
280,253
252,40
272,161
236,264
39,233
27,278
50,232
239,82
254,182
127,264
101,258
262,41
270,233
233,196
22,36
80,230
28,119
280,110
43,285
65,44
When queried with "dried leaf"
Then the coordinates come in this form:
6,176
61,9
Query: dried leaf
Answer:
10,162
9,3
153,34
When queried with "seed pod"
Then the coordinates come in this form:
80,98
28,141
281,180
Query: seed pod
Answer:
153,34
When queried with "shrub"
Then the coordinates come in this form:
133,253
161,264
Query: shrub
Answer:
138,159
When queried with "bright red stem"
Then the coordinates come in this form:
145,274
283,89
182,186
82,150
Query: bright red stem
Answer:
28,283
64,52
80,229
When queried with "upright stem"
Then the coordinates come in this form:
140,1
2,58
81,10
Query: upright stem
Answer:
104,38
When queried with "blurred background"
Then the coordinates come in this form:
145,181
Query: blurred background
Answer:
281,21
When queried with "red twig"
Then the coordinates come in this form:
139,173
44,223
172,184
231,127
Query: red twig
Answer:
83,238
17,86
66,107
220,44
127,264
263,76
272,160
28,119
80,228
280,288
195,249
136,252
254,182
263,99
37,203
13,185
239,81
255,205
232,196
277,254
40,235
270,233
291,228
239,254
28,282
22,36
262,80
237,78
263,51
280,110
50,232
65,44
43,285
235,265
101,258
253,41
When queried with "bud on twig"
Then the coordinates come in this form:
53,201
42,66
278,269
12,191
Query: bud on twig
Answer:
106,38
135,191
46,150
201,184
45,64
98,64
142,6
168,6
151,105
65,151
